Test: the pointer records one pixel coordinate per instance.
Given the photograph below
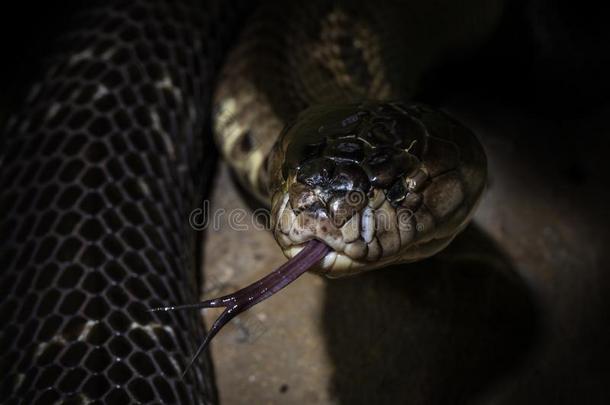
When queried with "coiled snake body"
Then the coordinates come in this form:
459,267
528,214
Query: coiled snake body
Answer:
370,177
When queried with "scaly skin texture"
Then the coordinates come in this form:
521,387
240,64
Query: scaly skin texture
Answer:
332,57
100,168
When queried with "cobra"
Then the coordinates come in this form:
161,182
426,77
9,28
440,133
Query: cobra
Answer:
314,113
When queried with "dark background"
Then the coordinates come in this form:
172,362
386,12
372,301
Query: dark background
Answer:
547,56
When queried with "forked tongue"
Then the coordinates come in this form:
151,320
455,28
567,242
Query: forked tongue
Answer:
256,292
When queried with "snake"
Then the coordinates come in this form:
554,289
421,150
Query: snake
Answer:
315,109
314,113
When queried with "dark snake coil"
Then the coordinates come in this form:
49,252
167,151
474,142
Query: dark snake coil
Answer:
98,174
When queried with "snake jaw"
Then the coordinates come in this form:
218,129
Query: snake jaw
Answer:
374,230
363,230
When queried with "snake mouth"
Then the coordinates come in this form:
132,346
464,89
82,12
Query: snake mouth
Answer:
365,231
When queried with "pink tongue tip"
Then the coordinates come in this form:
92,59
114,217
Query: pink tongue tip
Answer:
256,292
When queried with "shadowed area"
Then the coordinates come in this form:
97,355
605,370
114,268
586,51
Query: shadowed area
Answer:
439,331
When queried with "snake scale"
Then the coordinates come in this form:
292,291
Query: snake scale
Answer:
100,167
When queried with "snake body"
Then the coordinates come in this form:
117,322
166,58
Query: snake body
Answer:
100,168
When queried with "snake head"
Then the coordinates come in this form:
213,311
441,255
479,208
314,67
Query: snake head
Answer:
357,187
376,182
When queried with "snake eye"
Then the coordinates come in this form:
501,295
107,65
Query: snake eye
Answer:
316,172
397,192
